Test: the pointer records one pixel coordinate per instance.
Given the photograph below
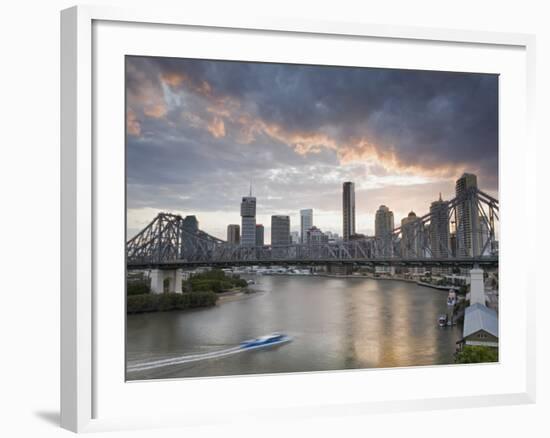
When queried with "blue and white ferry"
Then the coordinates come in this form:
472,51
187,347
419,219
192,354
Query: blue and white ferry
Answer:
266,341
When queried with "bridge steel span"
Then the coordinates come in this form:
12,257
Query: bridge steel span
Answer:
168,243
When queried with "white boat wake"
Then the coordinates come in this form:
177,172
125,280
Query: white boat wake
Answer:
144,366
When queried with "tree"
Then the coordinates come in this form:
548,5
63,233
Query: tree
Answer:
477,354
138,287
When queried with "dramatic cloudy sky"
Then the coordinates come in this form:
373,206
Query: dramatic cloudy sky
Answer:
200,132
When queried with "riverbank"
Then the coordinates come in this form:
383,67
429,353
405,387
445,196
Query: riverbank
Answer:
146,303
236,295
372,277
438,286
202,289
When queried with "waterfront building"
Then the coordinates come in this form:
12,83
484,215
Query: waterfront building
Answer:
439,229
467,218
314,236
335,269
384,270
348,209
480,322
295,237
480,326
383,229
248,221
233,234
333,237
280,230
306,222
259,235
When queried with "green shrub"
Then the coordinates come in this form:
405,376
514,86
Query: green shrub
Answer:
204,285
214,274
477,354
239,282
225,284
166,302
169,301
138,287
201,299
217,286
215,280
142,303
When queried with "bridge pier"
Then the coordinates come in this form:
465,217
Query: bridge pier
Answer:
477,287
157,281
158,276
177,281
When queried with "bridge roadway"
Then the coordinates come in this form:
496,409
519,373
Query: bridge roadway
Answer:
485,261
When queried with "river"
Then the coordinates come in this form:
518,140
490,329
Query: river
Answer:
335,323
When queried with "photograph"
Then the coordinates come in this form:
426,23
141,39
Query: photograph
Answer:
293,218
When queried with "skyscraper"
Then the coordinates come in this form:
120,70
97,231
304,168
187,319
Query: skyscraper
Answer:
412,232
259,235
190,223
306,222
233,234
453,243
440,239
383,228
248,221
280,230
467,221
348,209
484,234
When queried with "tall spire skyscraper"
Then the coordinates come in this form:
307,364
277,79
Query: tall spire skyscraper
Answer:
467,226
348,209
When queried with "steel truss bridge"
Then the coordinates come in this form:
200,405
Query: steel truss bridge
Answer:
459,232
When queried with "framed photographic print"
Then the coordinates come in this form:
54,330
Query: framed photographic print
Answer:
259,207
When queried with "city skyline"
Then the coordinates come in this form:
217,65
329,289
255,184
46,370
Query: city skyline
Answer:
200,132
441,230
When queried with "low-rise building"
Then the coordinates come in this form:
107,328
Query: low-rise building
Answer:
480,326
333,237
315,236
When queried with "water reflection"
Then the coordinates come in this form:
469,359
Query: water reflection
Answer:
335,323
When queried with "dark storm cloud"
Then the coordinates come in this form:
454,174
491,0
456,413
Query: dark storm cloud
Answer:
429,120
199,132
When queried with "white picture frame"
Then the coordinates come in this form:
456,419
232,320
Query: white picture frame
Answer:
83,180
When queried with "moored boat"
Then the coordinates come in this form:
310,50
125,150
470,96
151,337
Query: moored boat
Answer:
451,298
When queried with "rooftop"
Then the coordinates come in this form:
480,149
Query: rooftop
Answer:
479,317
